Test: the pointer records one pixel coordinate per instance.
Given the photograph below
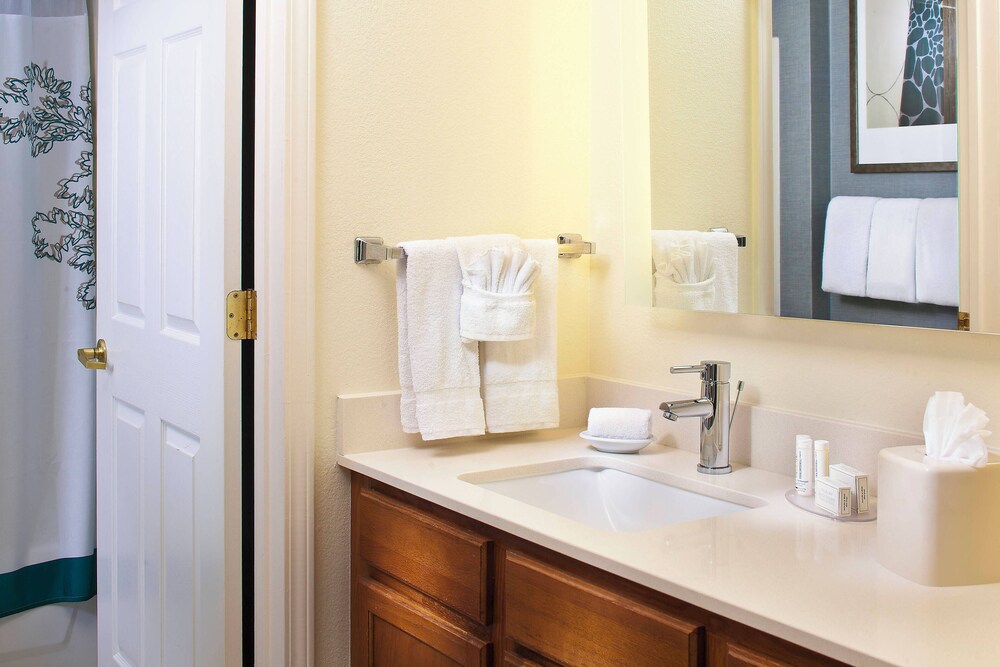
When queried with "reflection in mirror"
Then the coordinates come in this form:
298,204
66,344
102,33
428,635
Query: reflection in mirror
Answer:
826,134
700,168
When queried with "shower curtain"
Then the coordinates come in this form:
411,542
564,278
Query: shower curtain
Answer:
47,281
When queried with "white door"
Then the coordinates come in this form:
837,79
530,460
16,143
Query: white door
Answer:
168,195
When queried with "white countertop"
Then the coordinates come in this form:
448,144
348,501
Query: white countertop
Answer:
805,578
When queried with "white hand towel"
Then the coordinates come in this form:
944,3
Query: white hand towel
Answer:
954,431
624,423
715,255
892,250
519,377
726,259
438,372
937,251
845,245
498,276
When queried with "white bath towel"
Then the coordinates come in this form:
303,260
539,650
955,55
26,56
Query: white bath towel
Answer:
519,377
438,372
937,251
717,250
845,245
892,250
498,274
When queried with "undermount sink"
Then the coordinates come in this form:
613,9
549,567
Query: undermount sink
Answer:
612,495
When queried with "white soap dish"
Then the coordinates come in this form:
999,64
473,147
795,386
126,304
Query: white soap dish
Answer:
615,445
808,503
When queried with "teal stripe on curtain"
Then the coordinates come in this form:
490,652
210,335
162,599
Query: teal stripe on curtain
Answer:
60,580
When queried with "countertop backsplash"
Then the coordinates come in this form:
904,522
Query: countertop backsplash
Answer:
761,437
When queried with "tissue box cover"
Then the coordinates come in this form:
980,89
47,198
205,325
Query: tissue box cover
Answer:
938,522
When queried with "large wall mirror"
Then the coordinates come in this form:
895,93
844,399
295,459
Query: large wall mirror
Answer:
819,159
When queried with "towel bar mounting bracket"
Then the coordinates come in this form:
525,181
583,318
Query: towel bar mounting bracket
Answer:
572,246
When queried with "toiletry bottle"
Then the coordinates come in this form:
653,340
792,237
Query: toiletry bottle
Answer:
821,457
804,470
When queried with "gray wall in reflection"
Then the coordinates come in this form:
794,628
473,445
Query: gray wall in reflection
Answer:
815,139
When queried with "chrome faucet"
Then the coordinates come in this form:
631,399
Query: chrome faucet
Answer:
713,408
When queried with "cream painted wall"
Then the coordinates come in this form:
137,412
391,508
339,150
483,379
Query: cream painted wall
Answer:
880,376
435,118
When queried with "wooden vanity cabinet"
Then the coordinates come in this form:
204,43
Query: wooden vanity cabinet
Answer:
430,587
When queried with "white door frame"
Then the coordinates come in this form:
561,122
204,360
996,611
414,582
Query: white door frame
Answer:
284,223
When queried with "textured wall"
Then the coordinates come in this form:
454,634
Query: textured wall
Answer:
791,25
435,118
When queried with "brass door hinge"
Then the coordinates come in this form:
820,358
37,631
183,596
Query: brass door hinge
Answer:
241,315
964,321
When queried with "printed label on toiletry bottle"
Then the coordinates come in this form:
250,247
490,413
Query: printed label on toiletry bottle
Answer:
821,458
804,466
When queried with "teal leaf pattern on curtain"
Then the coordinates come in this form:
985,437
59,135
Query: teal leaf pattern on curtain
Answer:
47,114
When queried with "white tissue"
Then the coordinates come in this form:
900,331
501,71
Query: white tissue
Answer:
954,430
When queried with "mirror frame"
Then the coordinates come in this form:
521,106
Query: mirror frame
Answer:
979,149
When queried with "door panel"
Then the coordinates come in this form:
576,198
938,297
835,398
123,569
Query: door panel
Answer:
169,87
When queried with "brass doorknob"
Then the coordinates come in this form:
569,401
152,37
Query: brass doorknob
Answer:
94,358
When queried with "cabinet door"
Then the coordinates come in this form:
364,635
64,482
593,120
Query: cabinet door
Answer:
448,563
391,631
572,622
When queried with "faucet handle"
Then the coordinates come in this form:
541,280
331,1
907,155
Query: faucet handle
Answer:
696,368
711,371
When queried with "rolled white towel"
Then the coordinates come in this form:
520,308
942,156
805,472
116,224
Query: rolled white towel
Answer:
622,423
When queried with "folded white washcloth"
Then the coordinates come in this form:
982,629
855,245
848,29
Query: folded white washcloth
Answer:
622,423
892,250
937,251
438,372
845,245
520,391
693,258
498,275
954,430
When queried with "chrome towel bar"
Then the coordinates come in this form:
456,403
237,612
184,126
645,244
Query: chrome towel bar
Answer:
741,240
372,249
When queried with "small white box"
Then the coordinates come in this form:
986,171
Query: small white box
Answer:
833,496
857,480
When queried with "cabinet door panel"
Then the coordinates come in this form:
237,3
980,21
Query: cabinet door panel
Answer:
448,563
573,622
390,632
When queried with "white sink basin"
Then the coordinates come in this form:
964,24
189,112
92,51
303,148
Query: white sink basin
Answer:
613,495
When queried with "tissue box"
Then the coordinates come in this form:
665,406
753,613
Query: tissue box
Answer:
938,522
